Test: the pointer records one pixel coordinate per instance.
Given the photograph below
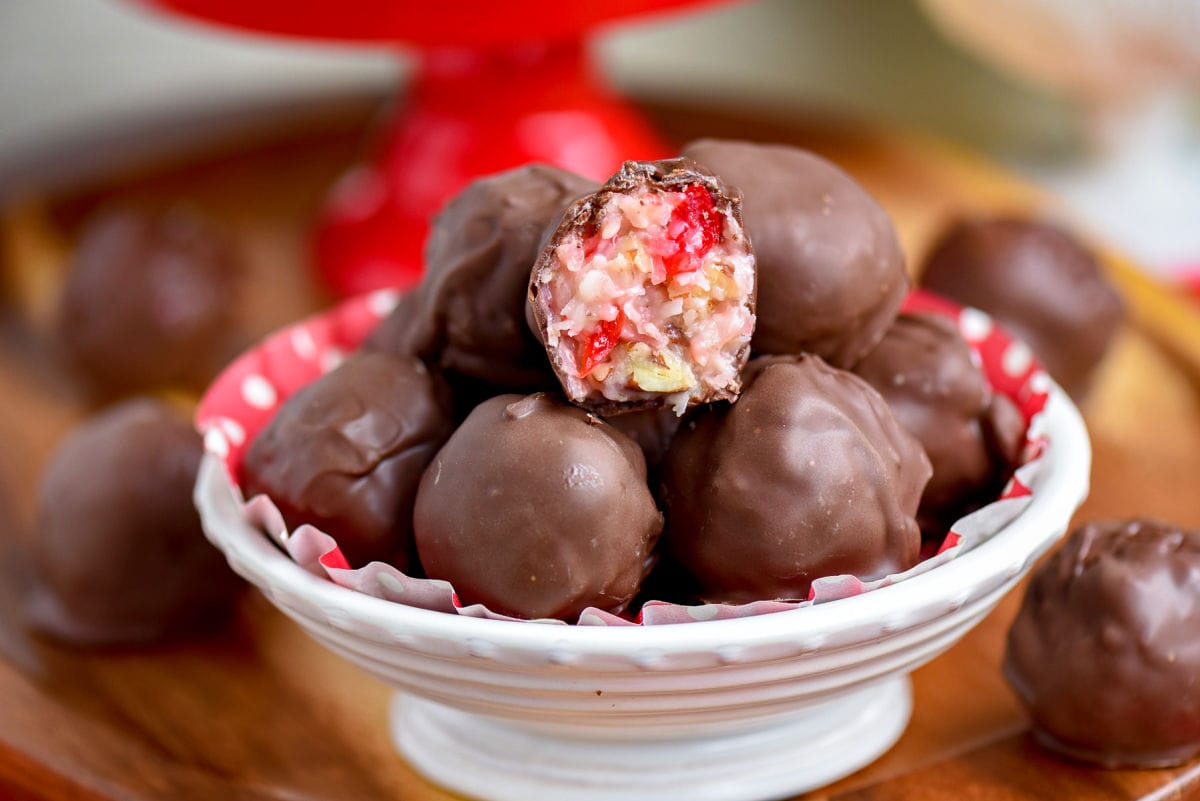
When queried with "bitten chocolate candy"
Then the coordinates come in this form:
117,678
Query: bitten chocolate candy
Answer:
468,314
972,435
1105,651
148,300
1040,283
120,556
537,509
345,454
831,274
807,475
644,294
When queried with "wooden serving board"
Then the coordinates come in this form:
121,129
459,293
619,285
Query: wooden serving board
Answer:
262,712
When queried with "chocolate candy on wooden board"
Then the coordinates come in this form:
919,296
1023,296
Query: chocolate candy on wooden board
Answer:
1037,281
120,556
148,300
1105,650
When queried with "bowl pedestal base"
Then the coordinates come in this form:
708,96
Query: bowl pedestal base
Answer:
505,760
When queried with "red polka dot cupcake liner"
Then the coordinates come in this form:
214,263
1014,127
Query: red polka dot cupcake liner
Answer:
246,395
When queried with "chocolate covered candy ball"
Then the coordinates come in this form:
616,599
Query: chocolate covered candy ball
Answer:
652,430
346,452
120,556
1105,651
468,313
147,300
1040,283
809,474
537,509
831,273
973,436
645,293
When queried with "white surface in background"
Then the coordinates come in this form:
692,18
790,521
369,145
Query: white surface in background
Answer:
1143,189
1135,66
1103,50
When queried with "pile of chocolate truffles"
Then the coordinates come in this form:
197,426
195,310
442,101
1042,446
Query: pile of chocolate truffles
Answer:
120,557
693,378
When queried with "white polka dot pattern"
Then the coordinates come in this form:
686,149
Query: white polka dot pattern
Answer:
1017,359
974,325
258,392
216,443
1040,382
232,429
382,302
303,344
330,359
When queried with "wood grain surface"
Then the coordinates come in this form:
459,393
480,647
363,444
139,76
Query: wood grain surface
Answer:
262,712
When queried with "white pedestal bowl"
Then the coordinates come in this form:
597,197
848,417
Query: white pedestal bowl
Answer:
718,710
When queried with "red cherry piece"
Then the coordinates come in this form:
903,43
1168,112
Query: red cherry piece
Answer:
600,343
695,227
595,245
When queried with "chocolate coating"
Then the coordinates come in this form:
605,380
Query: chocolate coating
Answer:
468,314
148,300
345,454
972,436
1105,652
652,430
120,556
537,509
830,269
667,175
807,475
1040,283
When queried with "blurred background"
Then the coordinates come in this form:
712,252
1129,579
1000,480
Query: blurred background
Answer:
1093,99
68,64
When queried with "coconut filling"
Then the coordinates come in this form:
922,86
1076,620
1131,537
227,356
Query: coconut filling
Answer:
652,301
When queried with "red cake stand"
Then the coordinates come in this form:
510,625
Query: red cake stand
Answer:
498,84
